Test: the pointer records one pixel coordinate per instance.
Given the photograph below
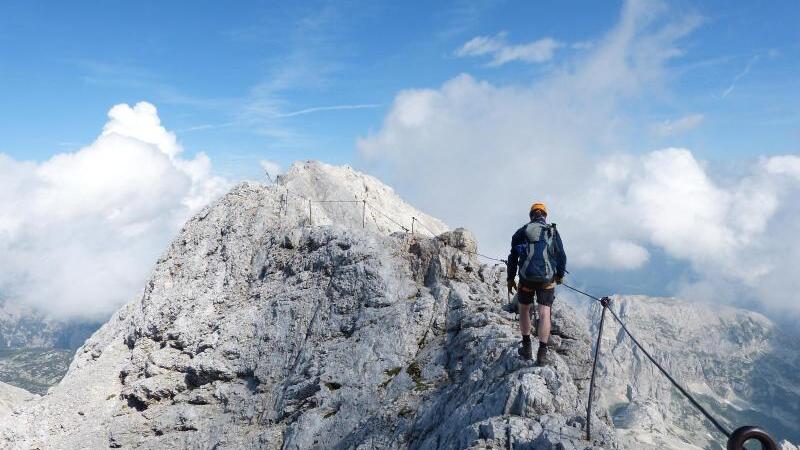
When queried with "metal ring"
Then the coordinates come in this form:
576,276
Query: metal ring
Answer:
746,433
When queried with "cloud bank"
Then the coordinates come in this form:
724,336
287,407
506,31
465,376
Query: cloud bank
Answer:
488,151
79,233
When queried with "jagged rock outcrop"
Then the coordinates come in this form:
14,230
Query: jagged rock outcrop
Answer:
737,362
258,330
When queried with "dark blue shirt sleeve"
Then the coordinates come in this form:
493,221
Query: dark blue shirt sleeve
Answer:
561,255
513,256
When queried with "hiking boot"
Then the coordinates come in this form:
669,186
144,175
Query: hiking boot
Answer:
541,355
525,351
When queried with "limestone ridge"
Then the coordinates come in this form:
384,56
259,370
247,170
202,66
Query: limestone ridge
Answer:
11,397
327,186
255,332
738,363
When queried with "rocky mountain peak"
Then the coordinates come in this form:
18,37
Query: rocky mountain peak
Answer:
260,328
315,193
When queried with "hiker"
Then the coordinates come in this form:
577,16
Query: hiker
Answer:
537,251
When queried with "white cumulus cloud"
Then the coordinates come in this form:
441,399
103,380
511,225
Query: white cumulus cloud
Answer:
487,151
626,255
80,231
785,165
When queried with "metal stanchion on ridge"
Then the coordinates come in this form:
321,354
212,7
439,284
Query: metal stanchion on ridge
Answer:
605,302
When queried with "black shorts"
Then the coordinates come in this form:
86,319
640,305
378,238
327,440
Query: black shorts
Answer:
545,293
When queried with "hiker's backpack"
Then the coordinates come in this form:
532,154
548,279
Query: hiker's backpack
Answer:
536,260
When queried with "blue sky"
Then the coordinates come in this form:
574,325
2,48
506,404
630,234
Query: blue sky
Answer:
647,126
220,75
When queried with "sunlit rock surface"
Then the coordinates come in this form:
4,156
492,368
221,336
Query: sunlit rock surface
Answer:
266,326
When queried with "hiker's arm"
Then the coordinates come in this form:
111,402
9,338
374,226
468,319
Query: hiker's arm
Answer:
561,256
513,256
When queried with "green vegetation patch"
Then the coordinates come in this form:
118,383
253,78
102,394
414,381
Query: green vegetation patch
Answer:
415,372
393,372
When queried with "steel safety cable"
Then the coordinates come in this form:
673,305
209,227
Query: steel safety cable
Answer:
664,372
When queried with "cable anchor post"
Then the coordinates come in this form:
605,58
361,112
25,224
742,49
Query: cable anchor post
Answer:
605,302
741,435
364,213
286,201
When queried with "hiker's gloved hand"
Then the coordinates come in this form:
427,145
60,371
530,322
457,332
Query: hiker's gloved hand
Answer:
511,286
559,279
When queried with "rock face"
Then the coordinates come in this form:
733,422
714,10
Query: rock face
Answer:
264,328
742,368
12,397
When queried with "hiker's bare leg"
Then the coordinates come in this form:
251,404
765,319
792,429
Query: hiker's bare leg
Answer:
525,319
544,324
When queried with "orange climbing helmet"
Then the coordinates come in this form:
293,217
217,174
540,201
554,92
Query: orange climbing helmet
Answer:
539,207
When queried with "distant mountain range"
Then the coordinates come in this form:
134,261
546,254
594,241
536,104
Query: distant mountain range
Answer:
36,350
740,365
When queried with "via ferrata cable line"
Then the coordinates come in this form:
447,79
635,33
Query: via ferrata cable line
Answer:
736,439
605,301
